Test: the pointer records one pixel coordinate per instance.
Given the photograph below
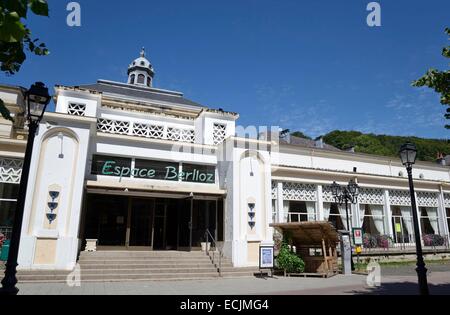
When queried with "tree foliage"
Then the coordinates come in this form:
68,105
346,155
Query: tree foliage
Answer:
439,81
15,37
300,135
386,145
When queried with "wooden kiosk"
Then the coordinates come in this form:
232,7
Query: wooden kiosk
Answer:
315,243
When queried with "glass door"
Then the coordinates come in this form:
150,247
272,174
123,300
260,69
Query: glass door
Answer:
185,224
141,223
159,227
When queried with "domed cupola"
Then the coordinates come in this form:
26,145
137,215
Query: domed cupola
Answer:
141,72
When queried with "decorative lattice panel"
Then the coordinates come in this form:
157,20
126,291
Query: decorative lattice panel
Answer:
300,192
10,170
371,196
274,190
113,126
327,194
148,131
447,200
399,198
219,133
178,134
76,109
427,199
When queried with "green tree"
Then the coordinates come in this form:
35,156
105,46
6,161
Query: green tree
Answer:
386,145
15,37
300,135
439,81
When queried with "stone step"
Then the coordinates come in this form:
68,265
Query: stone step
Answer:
108,254
143,266
144,262
144,258
120,277
85,272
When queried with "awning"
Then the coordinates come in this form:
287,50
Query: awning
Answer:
309,233
172,190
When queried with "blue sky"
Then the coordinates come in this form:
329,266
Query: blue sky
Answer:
313,66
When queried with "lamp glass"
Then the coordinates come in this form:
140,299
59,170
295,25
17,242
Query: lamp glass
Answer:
335,189
38,99
408,154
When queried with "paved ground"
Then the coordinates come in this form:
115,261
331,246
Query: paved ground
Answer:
402,283
405,270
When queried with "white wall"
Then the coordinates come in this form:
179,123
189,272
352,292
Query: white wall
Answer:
49,169
384,167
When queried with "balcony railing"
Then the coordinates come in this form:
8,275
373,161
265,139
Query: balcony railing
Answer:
151,131
406,242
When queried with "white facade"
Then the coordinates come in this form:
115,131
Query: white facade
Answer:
79,149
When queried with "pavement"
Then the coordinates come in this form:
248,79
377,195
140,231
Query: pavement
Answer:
402,281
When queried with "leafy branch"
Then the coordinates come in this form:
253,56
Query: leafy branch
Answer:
16,38
439,81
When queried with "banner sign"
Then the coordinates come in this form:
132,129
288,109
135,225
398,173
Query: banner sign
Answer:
147,169
357,236
266,257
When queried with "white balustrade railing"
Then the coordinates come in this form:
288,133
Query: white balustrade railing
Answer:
145,130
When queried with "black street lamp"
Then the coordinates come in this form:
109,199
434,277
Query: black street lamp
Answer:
408,155
345,195
37,99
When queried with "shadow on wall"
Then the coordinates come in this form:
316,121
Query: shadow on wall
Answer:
402,288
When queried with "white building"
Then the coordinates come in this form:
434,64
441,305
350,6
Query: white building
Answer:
137,167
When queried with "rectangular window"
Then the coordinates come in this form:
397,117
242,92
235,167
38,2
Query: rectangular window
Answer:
448,219
301,211
372,219
429,220
402,224
337,215
8,200
76,109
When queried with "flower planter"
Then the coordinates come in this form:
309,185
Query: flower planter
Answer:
91,245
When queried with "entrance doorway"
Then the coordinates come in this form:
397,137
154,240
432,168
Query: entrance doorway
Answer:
139,227
151,223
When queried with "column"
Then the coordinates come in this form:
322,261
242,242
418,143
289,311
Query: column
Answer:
418,215
280,202
388,213
442,217
321,216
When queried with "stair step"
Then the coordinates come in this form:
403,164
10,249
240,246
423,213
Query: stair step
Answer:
112,266
143,266
143,254
121,276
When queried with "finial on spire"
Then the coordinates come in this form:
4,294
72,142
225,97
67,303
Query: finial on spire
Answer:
143,52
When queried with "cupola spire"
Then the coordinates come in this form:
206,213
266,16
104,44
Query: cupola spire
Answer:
141,72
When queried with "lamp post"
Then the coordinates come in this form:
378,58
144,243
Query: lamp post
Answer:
37,99
408,155
345,195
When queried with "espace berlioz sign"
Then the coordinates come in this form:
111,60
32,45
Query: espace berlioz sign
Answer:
146,169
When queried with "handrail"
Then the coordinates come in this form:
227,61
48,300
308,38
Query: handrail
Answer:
213,258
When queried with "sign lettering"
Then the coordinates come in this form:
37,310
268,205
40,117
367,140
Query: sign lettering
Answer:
146,169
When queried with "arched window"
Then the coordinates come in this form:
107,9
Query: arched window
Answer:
141,79
149,81
132,78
